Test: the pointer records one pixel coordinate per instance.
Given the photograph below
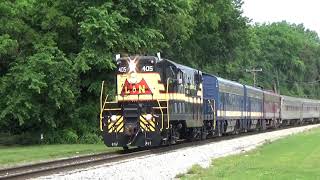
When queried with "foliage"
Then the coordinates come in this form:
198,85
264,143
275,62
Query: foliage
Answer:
22,139
289,54
54,55
90,138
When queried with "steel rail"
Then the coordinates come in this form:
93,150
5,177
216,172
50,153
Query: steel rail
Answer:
55,166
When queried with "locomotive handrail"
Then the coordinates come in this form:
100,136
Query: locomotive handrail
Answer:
101,94
101,111
114,109
101,106
161,114
167,98
111,102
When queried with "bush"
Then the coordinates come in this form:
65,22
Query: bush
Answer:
53,137
69,137
7,139
20,139
29,138
66,136
90,138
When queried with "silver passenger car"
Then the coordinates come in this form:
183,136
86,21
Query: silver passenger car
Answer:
299,109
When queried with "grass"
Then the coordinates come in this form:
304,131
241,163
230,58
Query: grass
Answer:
294,157
14,155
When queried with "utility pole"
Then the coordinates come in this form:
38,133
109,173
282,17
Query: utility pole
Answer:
254,72
278,84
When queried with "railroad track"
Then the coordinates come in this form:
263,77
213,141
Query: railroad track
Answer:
63,165
58,166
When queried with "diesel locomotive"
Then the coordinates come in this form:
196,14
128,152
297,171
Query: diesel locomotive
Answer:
160,102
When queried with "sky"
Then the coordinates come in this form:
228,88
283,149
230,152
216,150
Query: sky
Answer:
293,11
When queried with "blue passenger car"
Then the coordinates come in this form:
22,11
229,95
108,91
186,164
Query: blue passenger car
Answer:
224,101
254,107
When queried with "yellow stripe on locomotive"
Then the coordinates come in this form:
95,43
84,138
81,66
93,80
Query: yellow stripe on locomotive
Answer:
117,125
147,125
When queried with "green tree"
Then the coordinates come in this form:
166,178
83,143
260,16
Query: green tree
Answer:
289,54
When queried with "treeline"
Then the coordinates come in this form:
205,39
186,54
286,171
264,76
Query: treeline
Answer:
54,55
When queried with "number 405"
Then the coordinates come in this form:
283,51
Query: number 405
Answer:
147,68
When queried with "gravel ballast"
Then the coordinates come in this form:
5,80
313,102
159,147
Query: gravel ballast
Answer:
168,165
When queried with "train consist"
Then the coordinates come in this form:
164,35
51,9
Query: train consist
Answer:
160,102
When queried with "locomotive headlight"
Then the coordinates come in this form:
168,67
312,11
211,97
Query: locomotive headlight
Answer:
132,65
148,117
113,118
